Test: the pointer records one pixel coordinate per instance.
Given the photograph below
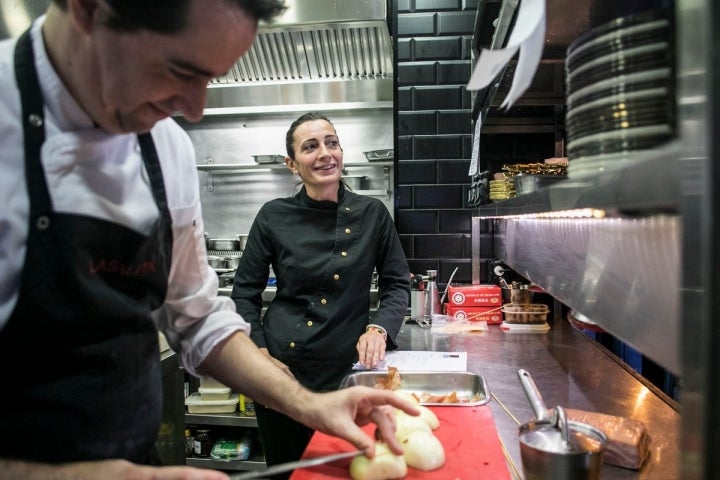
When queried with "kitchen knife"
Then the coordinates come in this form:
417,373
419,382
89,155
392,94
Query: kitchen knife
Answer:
286,467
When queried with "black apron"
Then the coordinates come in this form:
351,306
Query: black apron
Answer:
80,358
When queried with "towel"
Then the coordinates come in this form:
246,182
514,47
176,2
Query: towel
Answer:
628,440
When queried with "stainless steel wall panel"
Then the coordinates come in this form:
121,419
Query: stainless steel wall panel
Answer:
232,197
622,273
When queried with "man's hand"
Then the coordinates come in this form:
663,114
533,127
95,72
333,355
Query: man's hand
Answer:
110,469
342,412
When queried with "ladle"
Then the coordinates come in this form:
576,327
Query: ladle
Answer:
562,423
536,400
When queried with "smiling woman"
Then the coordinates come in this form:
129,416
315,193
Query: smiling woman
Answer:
323,244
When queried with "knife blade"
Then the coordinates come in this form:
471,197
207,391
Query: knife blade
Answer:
286,467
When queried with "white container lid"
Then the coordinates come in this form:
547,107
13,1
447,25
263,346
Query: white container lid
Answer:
214,393
196,404
209,382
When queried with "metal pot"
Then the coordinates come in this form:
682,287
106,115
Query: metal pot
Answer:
554,448
359,182
216,262
222,244
232,261
242,240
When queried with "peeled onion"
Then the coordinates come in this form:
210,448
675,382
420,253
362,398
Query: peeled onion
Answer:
423,451
407,424
385,465
429,417
407,396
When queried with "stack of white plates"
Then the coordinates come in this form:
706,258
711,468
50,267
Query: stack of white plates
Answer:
620,84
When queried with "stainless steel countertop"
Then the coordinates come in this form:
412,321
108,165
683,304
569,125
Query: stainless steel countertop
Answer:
570,370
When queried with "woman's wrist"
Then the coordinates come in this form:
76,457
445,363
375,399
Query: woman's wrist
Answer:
378,329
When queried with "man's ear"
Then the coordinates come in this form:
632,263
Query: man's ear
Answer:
83,12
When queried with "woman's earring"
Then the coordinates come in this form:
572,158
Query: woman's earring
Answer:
296,174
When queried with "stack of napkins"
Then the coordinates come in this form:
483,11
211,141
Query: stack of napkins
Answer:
448,324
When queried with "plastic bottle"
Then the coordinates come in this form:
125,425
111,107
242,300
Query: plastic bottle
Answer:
189,443
432,297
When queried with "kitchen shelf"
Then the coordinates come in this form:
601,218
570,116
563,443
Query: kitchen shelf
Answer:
255,462
231,167
373,192
647,185
235,419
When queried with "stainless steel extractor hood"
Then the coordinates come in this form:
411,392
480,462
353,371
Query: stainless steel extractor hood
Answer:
319,40
331,42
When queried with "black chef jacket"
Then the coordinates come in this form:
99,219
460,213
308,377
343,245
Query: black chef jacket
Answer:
323,255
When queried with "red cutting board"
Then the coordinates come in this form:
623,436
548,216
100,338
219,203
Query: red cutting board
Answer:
468,434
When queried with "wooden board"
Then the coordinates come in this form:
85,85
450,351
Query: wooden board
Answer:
468,434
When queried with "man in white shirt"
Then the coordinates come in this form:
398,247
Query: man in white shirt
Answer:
101,241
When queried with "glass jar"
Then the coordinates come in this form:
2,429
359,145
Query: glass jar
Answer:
203,445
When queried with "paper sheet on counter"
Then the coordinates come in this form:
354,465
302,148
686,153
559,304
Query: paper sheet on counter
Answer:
421,361
528,36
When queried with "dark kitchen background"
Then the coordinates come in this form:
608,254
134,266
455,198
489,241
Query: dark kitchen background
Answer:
435,131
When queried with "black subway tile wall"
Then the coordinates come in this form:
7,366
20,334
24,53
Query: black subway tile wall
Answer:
434,126
434,145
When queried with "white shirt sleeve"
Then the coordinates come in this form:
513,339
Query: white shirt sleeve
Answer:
194,317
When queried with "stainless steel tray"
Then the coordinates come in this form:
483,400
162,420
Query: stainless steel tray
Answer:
266,159
464,384
380,155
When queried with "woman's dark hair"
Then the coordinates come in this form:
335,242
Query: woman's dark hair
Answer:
170,16
307,117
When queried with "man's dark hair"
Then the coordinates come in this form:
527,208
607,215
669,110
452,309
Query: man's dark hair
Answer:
170,16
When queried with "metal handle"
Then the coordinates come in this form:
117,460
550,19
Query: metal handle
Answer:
290,466
563,424
533,395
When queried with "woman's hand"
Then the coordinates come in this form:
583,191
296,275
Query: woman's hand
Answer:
371,348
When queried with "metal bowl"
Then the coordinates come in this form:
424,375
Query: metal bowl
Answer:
530,183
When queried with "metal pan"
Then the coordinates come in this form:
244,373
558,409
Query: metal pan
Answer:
267,159
379,155
470,388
